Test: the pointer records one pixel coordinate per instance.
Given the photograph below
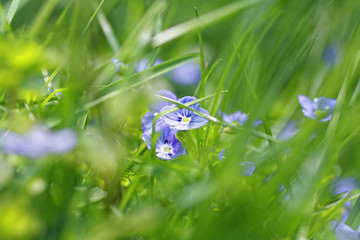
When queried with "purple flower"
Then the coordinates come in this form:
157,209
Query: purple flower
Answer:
238,116
321,107
167,146
144,64
38,142
186,74
185,119
147,119
345,232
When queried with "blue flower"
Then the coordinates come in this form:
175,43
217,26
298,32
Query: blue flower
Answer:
221,155
117,64
345,232
143,64
185,119
238,116
321,107
330,54
344,185
38,142
246,168
147,119
289,131
167,146
186,74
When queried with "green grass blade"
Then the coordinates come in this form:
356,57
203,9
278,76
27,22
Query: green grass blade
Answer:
201,22
12,10
108,31
93,15
114,89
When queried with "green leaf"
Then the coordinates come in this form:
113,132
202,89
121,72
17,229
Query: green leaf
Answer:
201,22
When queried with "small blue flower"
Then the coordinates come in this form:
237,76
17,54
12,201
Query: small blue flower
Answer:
221,155
344,185
143,64
247,168
147,119
185,119
330,54
238,116
117,64
321,107
289,131
167,146
186,74
38,142
345,232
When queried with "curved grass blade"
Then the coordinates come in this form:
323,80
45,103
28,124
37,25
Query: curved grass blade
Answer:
115,88
201,22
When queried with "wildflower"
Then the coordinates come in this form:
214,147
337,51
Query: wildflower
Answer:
186,74
238,116
330,54
117,64
320,108
345,232
221,155
344,185
167,146
147,119
288,131
38,142
144,64
185,119
246,168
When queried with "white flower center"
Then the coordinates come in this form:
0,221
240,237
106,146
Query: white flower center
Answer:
185,120
168,149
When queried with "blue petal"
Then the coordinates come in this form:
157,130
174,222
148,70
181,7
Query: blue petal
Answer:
221,155
247,168
344,232
63,141
306,103
197,121
187,74
142,64
188,99
160,103
342,185
238,116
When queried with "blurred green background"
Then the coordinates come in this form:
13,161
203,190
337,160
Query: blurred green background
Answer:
56,70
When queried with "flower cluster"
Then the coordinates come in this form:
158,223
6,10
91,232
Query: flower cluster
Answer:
168,146
38,142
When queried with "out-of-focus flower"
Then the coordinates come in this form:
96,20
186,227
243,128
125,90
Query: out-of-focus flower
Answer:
321,108
185,119
343,185
344,232
186,74
167,146
330,54
117,64
238,116
246,168
221,155
144,64
38,142
289,131
147,119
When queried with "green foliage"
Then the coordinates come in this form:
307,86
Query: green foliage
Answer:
255,56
